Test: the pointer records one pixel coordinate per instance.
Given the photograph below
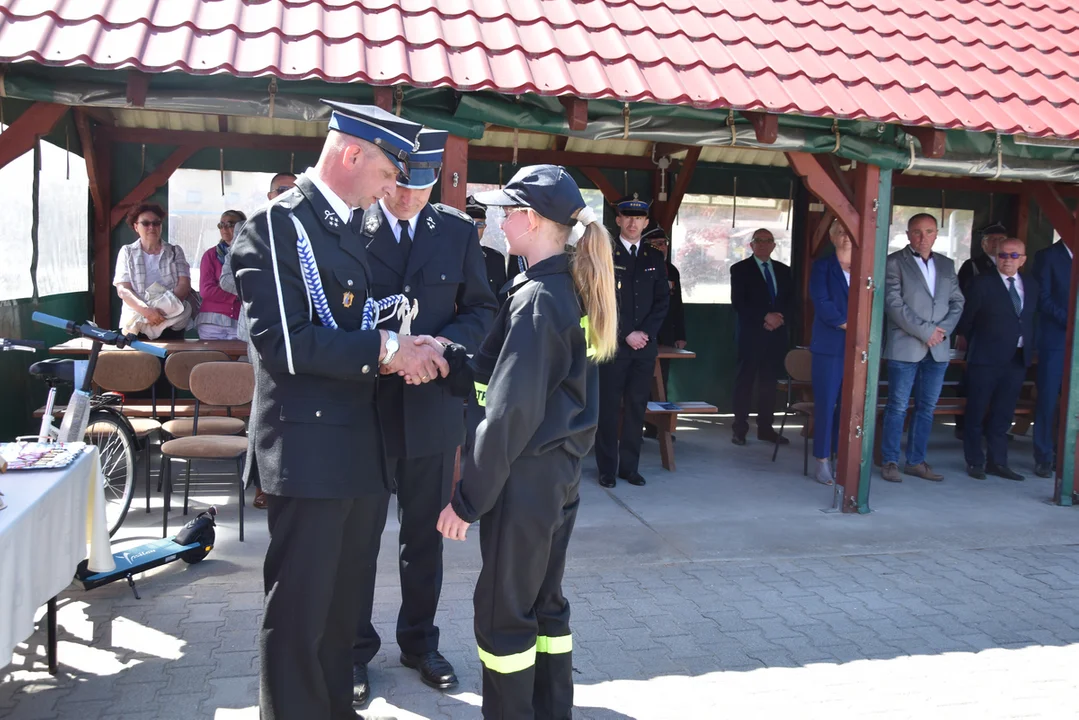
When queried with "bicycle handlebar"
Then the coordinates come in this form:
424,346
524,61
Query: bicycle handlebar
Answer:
105,337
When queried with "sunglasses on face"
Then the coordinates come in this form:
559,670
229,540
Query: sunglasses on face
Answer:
228,224
282,189
150,223
1011,255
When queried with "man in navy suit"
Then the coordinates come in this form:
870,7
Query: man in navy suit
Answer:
998,322
1053,269
762,292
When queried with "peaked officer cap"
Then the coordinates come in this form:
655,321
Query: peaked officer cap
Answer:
392,135
424,164
475,210
632,206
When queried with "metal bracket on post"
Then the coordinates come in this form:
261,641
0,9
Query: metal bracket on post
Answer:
869,284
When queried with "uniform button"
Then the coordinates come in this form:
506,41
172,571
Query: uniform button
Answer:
443,277
365,369
318,413
350,283
408,289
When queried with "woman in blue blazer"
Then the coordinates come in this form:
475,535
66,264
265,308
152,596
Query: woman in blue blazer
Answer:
829,284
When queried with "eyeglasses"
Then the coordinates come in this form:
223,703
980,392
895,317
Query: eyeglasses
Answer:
282,189
150,223
229,224
510,210
1011,255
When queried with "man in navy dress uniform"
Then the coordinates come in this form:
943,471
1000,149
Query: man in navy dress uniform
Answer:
432,255
303,275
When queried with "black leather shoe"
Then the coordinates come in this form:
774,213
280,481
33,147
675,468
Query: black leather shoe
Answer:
606,481
361,688
773,437
1003,471
1043,470
632,478
738,439
976,471
435,670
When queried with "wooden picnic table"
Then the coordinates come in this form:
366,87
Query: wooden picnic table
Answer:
233,348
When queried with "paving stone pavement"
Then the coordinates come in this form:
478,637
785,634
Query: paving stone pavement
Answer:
944,624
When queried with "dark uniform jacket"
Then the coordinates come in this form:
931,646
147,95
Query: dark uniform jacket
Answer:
446,274
314,429
674,325
643,294
536,389
972,268
496,271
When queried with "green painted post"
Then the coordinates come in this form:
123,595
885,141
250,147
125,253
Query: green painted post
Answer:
1070,415
876,338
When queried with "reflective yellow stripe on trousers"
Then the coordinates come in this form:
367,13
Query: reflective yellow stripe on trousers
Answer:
481,394
506,664
554,645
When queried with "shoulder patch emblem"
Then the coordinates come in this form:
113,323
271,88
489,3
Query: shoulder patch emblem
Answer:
447,210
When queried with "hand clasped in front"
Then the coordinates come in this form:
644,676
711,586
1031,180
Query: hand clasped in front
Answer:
418,360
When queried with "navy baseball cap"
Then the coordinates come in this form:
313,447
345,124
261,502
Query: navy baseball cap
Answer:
425,164
547,189
632,206
392,135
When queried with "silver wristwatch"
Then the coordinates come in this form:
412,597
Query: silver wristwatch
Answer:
392,346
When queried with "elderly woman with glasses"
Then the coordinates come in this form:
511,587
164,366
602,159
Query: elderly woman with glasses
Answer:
220,308
147,262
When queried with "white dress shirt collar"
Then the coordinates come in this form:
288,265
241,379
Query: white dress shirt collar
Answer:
928,268
395,222
628,245
338,205
1070,253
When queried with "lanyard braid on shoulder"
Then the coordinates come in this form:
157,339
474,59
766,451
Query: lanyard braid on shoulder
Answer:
372,309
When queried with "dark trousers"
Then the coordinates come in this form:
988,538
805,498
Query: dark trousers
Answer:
319,575
624,384
521,615
1050,376
827,385
992,394
423,490
759,361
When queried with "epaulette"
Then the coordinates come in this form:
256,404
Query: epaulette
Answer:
372,221
449,210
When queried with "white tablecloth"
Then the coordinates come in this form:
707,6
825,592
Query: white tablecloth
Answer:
51,520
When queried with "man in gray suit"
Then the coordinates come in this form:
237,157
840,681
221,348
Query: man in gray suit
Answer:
923,304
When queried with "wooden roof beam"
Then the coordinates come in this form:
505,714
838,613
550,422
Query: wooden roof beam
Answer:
662,149
1063,219
528,156
138,84
249,141
384,97
820,182
576,112
152,182
82,124
610,192
39,119
764,124
931,140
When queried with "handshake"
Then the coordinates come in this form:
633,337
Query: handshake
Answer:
421,358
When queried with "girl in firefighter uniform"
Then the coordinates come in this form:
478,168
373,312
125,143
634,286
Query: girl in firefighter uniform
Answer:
535,412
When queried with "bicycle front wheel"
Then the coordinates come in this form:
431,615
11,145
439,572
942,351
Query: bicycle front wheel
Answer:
116,446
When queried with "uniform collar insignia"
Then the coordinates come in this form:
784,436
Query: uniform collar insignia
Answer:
331,218
430,223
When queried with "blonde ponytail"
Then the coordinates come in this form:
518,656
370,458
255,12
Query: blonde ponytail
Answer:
593,274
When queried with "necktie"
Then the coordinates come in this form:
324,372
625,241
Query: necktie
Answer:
405,239
771,282
1016,302
633,250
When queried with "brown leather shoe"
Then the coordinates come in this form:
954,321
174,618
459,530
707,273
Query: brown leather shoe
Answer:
923,471
890,472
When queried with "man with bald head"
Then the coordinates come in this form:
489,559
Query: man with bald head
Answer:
762,293
998,323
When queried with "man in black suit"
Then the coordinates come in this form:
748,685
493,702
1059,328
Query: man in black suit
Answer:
640,276
432,255
492,259
762,292
998,323
314,436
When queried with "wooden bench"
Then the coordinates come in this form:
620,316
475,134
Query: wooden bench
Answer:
664,416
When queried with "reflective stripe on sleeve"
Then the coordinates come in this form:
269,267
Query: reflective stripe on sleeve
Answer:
481,394
506,664
554,645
